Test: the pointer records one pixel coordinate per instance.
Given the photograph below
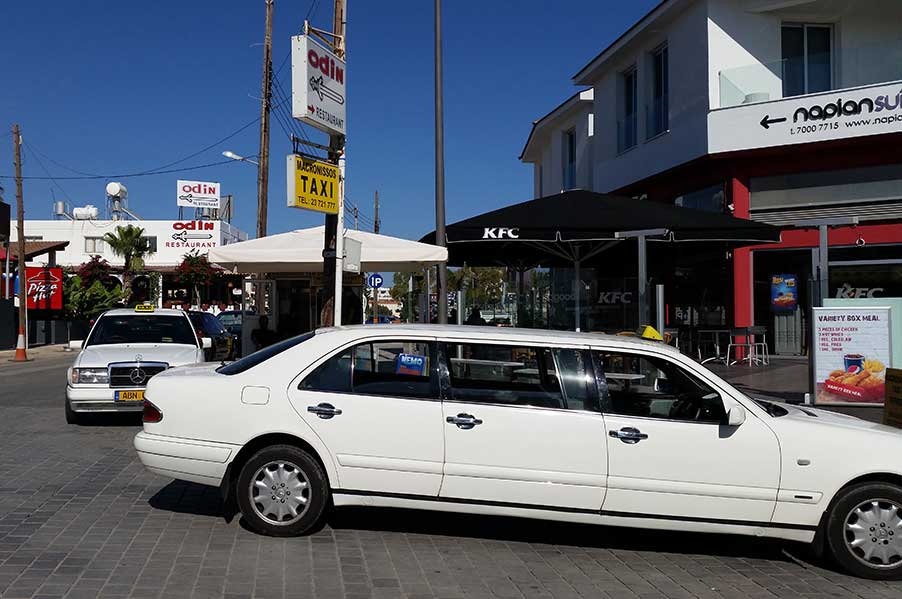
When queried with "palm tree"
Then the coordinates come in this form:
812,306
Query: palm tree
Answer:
128,243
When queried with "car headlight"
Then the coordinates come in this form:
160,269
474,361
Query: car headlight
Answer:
90,376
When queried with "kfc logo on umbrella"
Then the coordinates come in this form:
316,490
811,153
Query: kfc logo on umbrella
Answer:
44,288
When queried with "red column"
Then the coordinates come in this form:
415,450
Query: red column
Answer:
743,308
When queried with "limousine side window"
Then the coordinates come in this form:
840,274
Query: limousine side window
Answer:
393,368
503,374
651,387
387,368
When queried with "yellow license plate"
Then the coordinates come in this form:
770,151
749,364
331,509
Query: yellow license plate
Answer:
130,395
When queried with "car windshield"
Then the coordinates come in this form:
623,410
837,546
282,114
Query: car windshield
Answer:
140,328
247,362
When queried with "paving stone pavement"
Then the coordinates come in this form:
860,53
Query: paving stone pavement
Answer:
81,518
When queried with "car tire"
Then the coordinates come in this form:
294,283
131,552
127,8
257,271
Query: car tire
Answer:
864,531
72,416
265,486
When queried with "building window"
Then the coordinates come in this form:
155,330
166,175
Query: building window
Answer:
807,59
569,175
151,244
94,245
710,199
658,111
626,127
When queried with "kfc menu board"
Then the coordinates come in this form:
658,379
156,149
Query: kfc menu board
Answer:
851,354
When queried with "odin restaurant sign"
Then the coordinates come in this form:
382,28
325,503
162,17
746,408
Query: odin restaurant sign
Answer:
840,114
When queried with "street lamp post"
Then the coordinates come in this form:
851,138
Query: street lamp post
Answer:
234,156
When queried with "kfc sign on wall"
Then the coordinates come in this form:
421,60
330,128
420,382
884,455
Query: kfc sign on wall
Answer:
44,288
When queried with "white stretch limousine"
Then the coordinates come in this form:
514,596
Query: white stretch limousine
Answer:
562,426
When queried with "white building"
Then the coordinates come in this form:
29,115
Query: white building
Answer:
781,111
169,240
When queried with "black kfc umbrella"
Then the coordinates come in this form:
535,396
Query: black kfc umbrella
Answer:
571,227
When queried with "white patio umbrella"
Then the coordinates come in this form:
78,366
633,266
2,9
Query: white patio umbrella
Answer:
302,251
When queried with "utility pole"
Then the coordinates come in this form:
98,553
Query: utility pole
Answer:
265,102
376,224
21,354
333,239
441,282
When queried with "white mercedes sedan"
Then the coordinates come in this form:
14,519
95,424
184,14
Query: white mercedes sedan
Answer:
539,424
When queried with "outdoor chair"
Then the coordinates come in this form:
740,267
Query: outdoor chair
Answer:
753,340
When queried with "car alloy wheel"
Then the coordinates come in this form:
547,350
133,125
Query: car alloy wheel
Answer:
280,493
863,527
873,533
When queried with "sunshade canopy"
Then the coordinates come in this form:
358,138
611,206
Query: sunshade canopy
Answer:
546,230
302,251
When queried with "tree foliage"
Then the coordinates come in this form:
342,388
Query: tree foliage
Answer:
83,301
95,269
129,243
195,270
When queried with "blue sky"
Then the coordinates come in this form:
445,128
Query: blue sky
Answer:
120,87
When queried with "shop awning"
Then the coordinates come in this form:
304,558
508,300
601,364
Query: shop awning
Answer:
547,230
302,251
573,227
33,249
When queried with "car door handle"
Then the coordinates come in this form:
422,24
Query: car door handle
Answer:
464,421
324,410
628,435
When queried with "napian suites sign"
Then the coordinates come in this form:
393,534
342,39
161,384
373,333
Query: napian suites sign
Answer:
820,117
317,86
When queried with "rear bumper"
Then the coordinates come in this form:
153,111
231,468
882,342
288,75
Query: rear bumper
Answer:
100,399
203,462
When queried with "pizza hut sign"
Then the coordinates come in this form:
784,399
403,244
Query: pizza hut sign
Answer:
44,288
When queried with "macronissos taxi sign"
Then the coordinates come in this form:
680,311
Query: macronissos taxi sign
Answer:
312,185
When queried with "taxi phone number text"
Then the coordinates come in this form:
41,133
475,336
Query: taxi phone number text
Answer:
317,203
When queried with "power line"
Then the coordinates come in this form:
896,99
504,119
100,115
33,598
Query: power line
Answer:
31,149
311,10
162,166
127,175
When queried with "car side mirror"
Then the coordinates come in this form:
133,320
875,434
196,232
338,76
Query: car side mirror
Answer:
206,342
736,416
76,343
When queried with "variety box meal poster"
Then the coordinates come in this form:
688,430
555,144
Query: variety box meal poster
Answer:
852,352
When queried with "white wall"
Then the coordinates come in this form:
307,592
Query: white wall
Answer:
551,142
685,35
869,43
170,251
744,53
746,46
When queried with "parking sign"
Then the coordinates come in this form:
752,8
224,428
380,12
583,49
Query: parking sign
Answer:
375,280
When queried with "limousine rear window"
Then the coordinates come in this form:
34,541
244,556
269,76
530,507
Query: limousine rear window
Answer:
247,362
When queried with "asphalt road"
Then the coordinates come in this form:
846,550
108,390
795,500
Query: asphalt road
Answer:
81,518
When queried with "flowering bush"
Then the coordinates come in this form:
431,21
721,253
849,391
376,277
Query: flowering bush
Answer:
194,271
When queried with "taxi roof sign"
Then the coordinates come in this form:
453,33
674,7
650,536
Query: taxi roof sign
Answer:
145,308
